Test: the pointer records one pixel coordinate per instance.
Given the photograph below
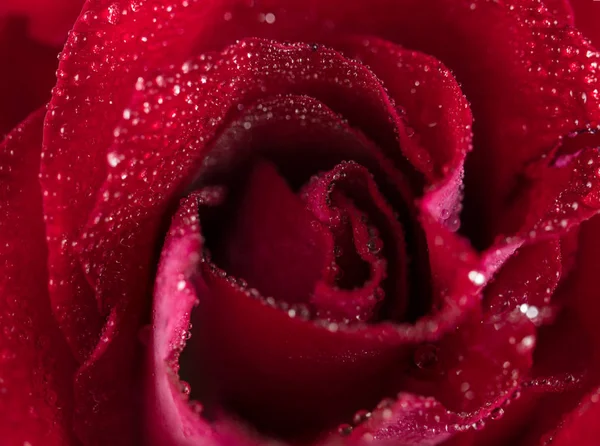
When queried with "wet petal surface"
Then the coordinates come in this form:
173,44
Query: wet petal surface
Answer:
36,367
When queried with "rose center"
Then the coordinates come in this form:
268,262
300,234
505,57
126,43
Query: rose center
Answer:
313,221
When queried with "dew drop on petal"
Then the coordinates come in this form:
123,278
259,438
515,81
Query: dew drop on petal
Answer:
345,430
497,413
476,277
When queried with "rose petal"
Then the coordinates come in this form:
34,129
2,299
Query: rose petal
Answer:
305,376
170,418
527,280
562,193
557,192
410,420
482,363
349,190
305,352
87,87
563,355
547,415
36,366
433,102
356,294
28,76
562,10
580,426
274,242
586,19
48,21
579,294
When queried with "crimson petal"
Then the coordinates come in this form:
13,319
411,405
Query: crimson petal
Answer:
306,376
26,85
360,245
349,189
562,10
48,21
433,102
586,19
411,420
274,242
527,280
35,363
579,427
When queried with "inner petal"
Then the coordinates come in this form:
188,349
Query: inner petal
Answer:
301,136
274,242
349,190
358,245
329,252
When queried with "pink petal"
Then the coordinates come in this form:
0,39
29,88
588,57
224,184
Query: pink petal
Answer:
410,420
169,417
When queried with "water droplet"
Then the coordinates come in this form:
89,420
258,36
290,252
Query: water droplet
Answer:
113,14
476,277
497,413
113,159
361,416
426,356
270,18
185,388
385,403
345,430
478,425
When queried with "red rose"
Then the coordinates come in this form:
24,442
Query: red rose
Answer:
305,222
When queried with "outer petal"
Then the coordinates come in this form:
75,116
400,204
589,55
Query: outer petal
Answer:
411,420
48,20
27,76
431,98
580,427
581,292
587,15
36,367
562,10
